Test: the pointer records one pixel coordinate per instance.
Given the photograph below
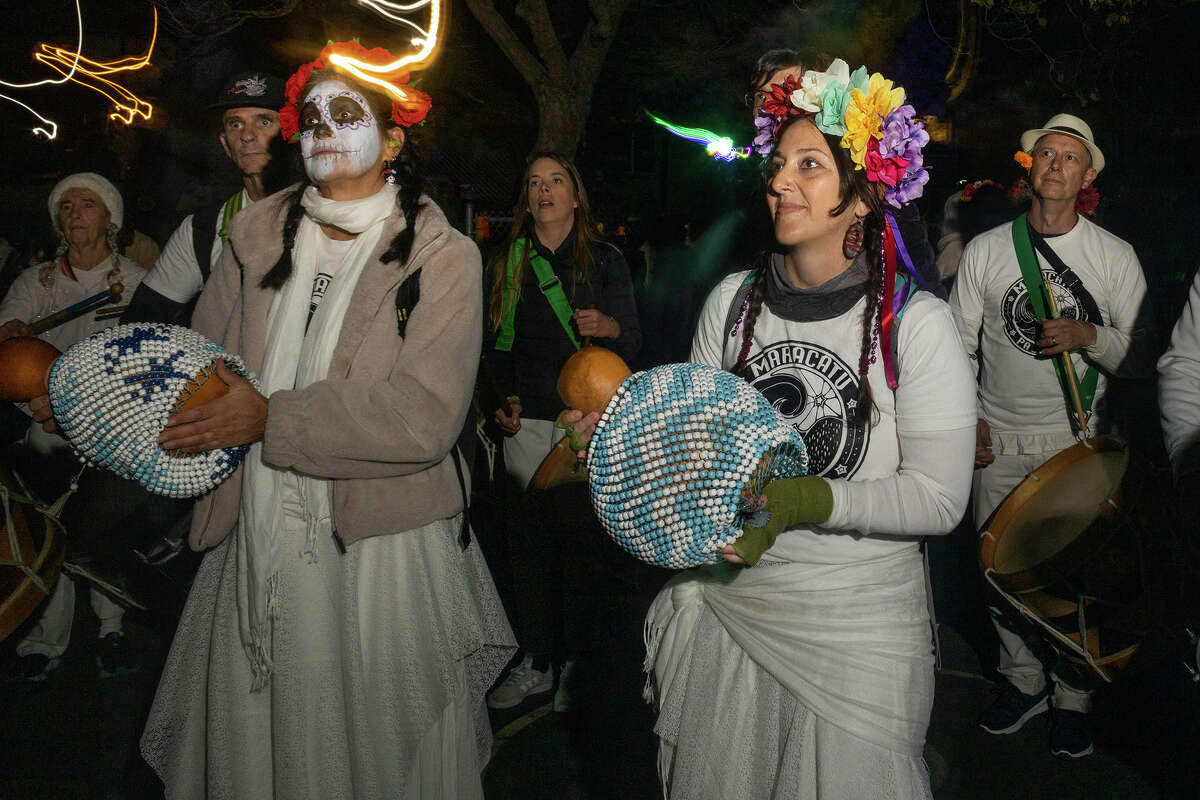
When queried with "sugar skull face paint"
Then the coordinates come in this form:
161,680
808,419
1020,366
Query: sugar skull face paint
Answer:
339,136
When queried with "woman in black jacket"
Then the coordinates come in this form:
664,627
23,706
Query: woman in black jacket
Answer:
556,285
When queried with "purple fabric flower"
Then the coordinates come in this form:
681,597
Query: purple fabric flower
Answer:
904,136
910,187
764,142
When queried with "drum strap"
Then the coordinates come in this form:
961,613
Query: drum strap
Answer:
1035,285
548,282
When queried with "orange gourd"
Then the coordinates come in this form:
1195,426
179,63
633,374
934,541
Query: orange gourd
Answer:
590,378
24,362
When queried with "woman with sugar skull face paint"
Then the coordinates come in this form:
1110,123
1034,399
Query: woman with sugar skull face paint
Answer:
314,659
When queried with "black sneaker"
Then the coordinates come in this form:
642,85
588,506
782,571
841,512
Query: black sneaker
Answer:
1012,709
1069,734
33,668
113,656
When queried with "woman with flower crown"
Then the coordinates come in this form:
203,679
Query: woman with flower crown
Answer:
343,628
804,667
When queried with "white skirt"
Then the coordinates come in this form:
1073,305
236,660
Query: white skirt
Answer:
841,712
382,656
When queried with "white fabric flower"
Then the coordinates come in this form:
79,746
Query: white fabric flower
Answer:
813,85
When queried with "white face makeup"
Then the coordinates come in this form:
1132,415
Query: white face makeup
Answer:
339,137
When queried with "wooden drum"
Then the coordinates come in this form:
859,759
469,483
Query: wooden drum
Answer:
31,551
1062,552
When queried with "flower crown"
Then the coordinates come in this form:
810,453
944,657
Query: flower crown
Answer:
883,135
409,106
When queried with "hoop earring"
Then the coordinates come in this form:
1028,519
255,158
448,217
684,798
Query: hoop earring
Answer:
852,242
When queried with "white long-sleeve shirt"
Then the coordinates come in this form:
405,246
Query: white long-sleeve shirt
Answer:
1019,393
44,289
908,474
1179,388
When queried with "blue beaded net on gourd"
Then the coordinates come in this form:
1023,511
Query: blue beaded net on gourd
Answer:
112,393
678,458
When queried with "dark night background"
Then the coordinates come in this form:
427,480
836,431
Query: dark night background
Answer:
687,62
1128,67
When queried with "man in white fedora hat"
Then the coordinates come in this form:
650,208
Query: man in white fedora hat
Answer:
1009,280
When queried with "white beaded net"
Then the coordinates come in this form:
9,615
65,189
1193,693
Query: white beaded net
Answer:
112,393
678,457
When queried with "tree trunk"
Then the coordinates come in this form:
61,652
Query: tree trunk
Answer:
562,85
561,117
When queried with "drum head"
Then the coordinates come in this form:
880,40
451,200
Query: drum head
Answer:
1047,517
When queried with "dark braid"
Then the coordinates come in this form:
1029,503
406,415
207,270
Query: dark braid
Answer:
754,304
408,178
872,240
282,270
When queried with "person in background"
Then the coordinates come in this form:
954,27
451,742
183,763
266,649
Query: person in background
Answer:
1023,420
86,211
248,107
1179,404
556,285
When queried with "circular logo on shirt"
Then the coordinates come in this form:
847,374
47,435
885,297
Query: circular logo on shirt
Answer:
817,392
1021,323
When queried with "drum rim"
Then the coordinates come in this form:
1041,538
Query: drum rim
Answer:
1002,517
46,565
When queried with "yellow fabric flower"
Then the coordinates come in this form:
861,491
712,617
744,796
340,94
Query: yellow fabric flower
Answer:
866,113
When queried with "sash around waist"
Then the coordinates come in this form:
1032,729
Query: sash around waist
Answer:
852,642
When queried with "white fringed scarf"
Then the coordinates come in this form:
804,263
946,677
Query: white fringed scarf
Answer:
294,359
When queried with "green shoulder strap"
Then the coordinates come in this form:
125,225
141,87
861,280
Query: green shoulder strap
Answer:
551,287
1031,274
232,206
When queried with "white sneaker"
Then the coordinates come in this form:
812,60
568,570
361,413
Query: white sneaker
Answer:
523,681
564,698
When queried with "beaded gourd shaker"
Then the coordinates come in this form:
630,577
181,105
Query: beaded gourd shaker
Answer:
112,393
679,458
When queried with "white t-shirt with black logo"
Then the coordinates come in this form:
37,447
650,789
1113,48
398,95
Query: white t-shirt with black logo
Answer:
809,373
330,257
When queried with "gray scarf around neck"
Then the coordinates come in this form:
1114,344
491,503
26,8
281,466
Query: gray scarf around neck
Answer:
831,299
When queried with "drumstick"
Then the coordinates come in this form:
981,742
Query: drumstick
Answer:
110,295
1072,379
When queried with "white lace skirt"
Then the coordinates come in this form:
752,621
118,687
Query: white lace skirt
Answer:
382,656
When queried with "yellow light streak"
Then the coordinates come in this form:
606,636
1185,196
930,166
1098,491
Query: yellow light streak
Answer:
51,129
426,42
127,105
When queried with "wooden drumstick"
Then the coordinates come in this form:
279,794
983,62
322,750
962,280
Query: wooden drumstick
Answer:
1069,366
110,295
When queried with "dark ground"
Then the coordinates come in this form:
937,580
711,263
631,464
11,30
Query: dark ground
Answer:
76,736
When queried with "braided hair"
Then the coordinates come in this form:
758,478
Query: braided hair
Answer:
408,178
853,185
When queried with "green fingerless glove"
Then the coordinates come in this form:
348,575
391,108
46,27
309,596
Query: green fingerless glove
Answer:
790,502
574,437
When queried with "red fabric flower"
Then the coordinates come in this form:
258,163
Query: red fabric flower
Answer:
778,103
889,171
1087,200
408,112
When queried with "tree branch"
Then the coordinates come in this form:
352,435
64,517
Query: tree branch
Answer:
537,17
530,68
593,46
